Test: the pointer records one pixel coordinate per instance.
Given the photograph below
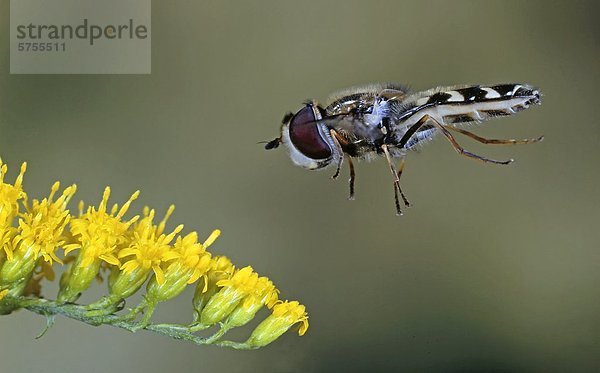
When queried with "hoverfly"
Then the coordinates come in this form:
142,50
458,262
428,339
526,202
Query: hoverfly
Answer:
386,120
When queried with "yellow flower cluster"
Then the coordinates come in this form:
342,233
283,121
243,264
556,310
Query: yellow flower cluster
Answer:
135,251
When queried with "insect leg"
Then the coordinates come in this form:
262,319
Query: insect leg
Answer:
483,140
334,136
337,139
352,178
400,169
412,130
396,179
337,169
459,149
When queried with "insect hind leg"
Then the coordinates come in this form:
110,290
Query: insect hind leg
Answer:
459,149
483,140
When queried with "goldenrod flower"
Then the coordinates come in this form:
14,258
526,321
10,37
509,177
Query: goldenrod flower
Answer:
283,317
264,293
141,224
42,228
41,232
149,250
97,234
193,259
193,262
220,268
9,208
233,290
10,194
6,236
134,251
145,250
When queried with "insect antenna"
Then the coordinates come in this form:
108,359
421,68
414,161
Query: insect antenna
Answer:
273,144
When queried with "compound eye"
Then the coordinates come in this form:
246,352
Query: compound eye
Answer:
304,134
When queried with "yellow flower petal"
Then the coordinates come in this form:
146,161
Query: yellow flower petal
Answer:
212,238
110,259
159,274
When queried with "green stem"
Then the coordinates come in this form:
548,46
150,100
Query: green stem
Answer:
78,312
196,327
215,337
235,345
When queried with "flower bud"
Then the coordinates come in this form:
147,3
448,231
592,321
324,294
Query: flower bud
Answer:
191,263
126,283
121,284
176,279
19,268
264,294
221,268
78,279
227,299
283,317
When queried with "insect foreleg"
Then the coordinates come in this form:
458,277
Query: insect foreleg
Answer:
337,139
338,167
352,178
340,160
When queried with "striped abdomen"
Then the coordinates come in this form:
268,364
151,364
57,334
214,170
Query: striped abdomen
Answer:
469,104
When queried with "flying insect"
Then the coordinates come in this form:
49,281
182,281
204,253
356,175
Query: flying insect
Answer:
387,120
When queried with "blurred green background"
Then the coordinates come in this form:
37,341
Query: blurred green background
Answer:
493,269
